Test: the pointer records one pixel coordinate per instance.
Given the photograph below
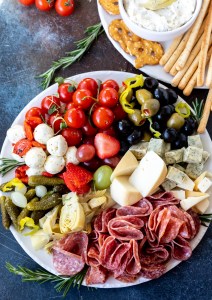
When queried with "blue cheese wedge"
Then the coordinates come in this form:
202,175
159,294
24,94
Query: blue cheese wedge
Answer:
205,156
193,155
139,150
179,167
168,185
195,141
174,156
180,178
158,146
194,170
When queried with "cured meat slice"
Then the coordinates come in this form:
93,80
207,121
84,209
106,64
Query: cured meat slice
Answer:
133,266
102,238
163,199
70,253
141,209
93,255
128,278
101,221
154,255
126,228
152,271
96,275
181,249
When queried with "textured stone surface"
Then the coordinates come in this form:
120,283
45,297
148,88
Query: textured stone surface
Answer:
29,41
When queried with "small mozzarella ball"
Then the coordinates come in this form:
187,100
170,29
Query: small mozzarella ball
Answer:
70,156
19,199
16,133
22,190
43,133
35,171
35,157
17,157
40,191
54,164
57,145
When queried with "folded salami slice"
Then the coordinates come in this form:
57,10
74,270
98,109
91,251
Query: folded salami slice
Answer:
96,275
128,278
181,249
163,199
93,255
101,221
133,266
152,271
141,209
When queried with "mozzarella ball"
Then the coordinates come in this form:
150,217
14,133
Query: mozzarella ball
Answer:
16,133
40,191
35,171
70,156
43,133
54,164
57,145
35,157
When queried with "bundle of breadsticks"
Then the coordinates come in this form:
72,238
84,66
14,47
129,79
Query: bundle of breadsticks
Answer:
189,57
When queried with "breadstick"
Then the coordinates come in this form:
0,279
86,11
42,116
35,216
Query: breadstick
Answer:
195,29
209,74
204,48
170,50
206,113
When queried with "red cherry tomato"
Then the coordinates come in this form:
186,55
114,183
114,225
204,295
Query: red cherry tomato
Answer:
44,4
75,117
88,129
119,113
54,121
108,97
64,7
50,102
103,117
110,83
85,152
89,84
73,136
27,2
66,91
83,98
70,105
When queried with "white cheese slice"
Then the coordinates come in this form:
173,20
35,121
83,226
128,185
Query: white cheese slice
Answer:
150,173
126,166
204,185
192,201
179,194
202,206
123,192
193,194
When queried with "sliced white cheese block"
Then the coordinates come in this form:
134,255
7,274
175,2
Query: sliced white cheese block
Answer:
179,194
126,166
204,185
123,192
193,194
150,173
202,206
192,201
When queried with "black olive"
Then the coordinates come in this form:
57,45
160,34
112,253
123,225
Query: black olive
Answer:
124,147
124,127
172,96
162,95
180,142
150,83
164,113
157,126
135,137
169,135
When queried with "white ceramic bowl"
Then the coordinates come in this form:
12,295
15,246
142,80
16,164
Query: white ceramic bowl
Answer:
158,36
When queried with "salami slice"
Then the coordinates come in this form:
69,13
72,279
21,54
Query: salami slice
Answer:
141,209
181,249
101,221
152,271
128,278
133,266
93,255
163,199
96,275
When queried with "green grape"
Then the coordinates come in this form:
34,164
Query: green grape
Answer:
102,177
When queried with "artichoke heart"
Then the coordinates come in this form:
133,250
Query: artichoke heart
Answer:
157,4
49,220
39,239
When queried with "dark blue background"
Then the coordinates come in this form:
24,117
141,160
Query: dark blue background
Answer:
29,41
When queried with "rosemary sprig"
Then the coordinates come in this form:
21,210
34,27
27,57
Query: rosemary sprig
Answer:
198,106
82,46
62,283
7,164
205,218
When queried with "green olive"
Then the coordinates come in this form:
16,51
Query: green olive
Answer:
142,95
150,107
136,118
175,121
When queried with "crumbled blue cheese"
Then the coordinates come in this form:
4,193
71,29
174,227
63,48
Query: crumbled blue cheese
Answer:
205,156
167,147
179,167
194,170
139,150
174,156
168,185
157,145
180,178
195,141
193,155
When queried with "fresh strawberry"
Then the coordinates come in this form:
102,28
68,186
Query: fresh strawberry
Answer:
106,145
79,190
78,175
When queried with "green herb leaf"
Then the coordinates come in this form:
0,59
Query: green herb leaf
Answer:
63,125
198,106
59,80
7,164
52,109
71,88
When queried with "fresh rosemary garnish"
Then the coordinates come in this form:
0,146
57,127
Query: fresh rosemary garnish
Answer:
82,46
198,106
205,218
7,164
63,284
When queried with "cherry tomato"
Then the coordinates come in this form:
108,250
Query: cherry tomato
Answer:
119,113
44,4
54,121
103,117
22,147
85,152
50,102
75,117
73,136
89,84
108,97
64,7
88,129
109,131
70,105
66,91
83,98
27,2
110,83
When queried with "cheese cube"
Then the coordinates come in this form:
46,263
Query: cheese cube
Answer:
174,156
179,167
180,178
126,166
192,201
123,192
139,150
157,145
194,170
167,147
204,184
193,194
149,175
168,185
202,206
193,155
179,194
195,141
205,156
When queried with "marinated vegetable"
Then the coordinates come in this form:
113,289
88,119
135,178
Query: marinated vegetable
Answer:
43,180
47,202
6,221
12,211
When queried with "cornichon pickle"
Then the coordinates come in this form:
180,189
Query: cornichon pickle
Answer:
30,194
43,180
25,212
47,202
62,189
12,210
6,221
36,215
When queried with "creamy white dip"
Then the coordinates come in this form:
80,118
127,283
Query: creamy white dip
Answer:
166,19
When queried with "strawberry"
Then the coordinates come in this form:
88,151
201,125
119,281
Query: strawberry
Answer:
106,145
78,175
79,190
